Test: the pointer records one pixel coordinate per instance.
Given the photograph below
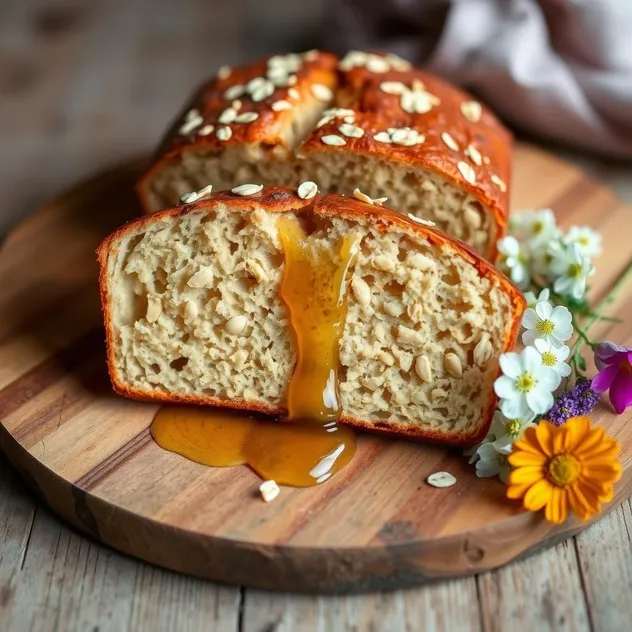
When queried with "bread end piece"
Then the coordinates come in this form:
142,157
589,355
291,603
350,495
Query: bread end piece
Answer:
386,127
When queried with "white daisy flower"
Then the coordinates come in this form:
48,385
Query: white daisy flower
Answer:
493,461
537,227
526,385
552,324
532,299
540,260
570,269
514,260
515,223
519,222
503,432
554,357
587,239
473,451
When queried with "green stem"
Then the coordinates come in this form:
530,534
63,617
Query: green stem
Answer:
577,356
607,300
582,334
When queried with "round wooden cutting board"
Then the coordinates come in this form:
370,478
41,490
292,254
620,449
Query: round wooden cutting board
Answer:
375,525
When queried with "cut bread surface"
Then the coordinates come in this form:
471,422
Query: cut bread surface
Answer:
393,131
408,189
193,312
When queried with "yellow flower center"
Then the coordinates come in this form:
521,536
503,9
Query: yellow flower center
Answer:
513,428
563,470
549,359
522,257
545,327
538,227
574,270
525,382
583,240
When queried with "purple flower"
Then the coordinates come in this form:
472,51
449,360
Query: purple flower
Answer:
580,400
615,373
582,384
587,397
564,408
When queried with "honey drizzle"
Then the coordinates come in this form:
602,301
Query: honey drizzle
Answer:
309,447
314,291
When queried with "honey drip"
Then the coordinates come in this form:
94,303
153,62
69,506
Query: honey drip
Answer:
308,447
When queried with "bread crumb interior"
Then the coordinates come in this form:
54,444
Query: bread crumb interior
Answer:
196,311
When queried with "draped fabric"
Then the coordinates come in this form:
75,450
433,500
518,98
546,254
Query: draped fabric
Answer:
561,69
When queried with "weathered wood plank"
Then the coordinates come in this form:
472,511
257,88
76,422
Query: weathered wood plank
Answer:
450,606
121,102
17,512
66,582
605,560
542,593
40,47
98,115
52,579
165,601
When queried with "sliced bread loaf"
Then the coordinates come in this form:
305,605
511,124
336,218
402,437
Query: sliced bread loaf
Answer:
368,121
193,312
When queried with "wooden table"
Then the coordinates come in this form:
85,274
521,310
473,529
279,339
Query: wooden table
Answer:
87,84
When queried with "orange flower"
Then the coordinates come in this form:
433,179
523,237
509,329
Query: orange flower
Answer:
564,468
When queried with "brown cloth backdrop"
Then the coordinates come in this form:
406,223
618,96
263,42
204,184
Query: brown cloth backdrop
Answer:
561,69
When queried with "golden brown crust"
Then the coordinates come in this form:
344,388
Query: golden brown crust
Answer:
279,199
375,110
211,99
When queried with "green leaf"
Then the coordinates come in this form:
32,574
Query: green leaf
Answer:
579,307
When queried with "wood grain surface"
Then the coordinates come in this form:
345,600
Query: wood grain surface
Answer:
89,454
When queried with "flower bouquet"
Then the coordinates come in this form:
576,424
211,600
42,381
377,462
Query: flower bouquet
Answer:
541,442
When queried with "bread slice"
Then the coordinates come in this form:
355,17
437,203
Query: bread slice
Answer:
193,313
367,121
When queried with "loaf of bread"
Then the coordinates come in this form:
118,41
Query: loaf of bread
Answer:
193,312
366,121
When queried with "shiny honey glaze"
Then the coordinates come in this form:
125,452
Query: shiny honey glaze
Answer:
309,446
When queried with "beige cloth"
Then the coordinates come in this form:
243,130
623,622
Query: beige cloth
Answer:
561,69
